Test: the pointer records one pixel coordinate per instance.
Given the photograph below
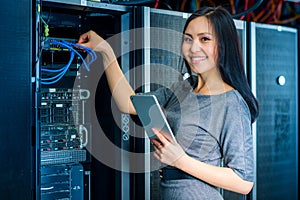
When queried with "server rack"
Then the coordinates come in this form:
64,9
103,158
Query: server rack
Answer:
71,107
274,72
162,55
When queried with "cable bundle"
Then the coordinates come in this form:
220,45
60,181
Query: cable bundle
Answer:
61,72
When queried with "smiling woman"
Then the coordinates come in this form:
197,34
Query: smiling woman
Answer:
210,114
199,45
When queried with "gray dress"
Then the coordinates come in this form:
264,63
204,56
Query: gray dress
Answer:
215,129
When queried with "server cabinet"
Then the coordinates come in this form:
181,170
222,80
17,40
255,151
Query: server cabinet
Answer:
77,118
274,79
17,146
164,60
162,67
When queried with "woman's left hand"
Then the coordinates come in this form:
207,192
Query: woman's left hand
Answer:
167,151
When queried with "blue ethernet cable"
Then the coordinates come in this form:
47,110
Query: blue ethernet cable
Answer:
63,70
49,81
53,70
88,50
73,50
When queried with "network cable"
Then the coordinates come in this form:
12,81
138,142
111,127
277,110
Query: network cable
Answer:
70,47
88,50
62,71
56,78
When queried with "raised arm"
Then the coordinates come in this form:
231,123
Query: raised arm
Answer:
119,86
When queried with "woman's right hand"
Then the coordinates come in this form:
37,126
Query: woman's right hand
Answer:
118,84
90,39
93,41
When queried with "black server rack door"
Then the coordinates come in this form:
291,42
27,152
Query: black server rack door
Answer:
165,42
165,59
17,173
276,89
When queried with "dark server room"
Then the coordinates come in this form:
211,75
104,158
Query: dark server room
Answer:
66,135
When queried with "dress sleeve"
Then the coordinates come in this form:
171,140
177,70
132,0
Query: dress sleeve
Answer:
237,140
162,94
175,93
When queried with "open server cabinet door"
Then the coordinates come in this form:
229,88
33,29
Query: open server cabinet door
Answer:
82,133
161,61
17,148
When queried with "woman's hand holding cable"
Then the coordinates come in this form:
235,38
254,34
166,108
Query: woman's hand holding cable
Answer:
118,84
92,40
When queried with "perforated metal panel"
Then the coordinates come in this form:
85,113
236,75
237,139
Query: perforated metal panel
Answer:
165,43
277,129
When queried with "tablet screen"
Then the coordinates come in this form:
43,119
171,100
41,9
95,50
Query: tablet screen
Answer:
151,115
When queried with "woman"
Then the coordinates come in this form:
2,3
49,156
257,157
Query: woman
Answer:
211,114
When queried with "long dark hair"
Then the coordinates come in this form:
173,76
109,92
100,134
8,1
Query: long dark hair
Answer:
230,59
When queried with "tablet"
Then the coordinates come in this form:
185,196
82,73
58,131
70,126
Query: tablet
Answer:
151,115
